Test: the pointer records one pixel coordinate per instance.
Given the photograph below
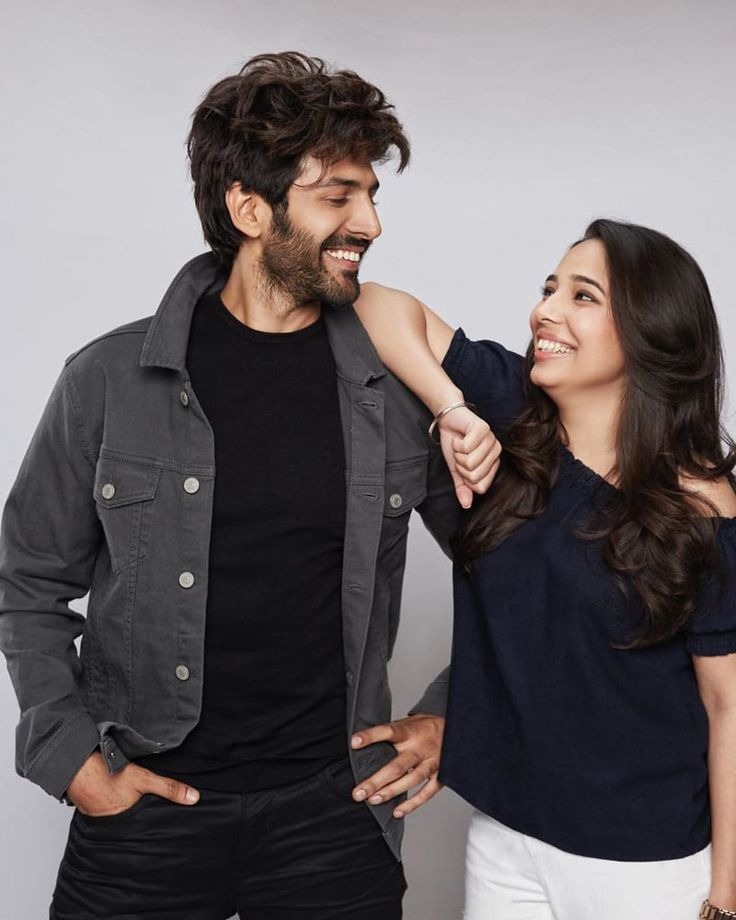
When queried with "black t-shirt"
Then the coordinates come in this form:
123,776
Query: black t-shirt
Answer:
274,701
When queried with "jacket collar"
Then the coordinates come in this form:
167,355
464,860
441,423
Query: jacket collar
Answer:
166,342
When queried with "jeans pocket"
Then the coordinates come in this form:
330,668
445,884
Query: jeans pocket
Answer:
118,816
339,781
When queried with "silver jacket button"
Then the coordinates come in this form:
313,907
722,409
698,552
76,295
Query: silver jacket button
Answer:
182,672
191,485
395,500
186,579
184,397
108,490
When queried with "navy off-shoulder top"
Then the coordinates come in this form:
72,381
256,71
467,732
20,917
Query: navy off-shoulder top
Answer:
551,729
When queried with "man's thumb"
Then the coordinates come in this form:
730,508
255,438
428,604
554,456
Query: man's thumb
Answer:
172,789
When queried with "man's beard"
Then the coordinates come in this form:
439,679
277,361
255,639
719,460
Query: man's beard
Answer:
292,268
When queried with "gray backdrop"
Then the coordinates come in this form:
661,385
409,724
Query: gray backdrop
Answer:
527,119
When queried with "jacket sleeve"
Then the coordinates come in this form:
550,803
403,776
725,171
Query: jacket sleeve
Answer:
442,515
491,377
48,545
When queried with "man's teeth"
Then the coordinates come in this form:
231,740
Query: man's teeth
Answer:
556,348
344,254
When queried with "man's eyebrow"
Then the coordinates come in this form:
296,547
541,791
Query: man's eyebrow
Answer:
339,181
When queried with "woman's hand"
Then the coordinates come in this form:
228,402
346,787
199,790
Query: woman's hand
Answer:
471,451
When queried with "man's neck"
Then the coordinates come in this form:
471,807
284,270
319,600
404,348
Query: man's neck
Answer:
260,307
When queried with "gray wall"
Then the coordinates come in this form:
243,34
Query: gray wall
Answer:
527,119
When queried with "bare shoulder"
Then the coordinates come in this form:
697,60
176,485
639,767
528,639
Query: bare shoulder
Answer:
371,293
719,492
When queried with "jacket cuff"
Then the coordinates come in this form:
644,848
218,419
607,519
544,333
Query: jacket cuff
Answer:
434,700
58,763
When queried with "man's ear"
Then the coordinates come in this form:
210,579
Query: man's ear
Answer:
248,211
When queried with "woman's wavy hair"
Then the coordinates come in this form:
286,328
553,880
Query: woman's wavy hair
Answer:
257,126
658,538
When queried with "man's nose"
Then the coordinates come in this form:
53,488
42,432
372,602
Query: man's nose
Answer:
364,221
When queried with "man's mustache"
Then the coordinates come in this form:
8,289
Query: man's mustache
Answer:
338,242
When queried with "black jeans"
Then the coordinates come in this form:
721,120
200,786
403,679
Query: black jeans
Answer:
300,852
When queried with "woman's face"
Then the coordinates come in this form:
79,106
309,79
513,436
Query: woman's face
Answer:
576,345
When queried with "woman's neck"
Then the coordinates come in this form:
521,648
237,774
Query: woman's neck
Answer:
589,423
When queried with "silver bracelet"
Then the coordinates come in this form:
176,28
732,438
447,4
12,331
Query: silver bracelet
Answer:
442,412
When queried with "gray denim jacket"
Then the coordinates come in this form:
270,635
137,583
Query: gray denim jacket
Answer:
115,496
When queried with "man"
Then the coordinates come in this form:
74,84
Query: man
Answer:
231,480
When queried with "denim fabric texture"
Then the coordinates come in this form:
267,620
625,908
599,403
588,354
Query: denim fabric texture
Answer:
105,502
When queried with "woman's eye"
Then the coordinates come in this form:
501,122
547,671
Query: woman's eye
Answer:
584,295
546,291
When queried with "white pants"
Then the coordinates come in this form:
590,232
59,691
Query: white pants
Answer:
513,877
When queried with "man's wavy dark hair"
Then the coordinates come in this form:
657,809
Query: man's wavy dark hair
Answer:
257,126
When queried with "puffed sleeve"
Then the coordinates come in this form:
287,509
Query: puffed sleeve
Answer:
713,632
490,376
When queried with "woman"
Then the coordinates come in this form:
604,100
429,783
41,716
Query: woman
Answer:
592,709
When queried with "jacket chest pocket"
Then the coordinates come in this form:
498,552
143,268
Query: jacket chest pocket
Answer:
406,487
124,491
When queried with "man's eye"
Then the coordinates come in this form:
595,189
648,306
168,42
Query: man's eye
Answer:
338,202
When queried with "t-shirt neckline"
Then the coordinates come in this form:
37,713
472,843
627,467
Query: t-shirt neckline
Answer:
258,335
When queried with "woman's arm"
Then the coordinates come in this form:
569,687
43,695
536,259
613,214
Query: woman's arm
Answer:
717,683
412,341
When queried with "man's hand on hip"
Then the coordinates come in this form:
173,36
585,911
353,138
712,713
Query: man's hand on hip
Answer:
96,793
418,742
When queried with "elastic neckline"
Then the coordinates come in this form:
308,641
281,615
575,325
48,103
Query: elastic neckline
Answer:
580,473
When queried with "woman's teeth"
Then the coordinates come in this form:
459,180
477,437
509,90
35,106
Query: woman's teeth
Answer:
556,348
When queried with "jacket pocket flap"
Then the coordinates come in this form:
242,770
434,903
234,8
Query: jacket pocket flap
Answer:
122,482
406,487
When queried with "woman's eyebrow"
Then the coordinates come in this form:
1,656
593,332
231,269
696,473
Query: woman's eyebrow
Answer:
586,280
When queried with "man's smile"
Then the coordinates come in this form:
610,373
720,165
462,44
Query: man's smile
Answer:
348,259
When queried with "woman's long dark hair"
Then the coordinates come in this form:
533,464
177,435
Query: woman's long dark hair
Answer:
655,537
